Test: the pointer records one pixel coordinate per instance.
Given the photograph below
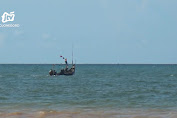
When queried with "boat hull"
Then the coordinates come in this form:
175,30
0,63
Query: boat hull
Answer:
65,71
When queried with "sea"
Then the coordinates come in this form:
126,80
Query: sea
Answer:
94,91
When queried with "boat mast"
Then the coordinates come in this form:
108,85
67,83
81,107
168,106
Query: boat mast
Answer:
72,54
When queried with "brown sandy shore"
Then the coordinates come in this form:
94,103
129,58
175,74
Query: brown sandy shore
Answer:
92,114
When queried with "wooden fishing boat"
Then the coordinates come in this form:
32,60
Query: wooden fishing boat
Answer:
65,71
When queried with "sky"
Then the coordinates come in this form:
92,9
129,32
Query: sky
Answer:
100,31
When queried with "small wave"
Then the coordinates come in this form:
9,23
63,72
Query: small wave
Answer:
107,114
62,114
3,98
38,76
11,115
123,113
35,75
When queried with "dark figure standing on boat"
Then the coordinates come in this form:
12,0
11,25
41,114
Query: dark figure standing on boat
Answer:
66,61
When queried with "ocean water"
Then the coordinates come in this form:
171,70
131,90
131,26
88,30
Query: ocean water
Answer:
95,91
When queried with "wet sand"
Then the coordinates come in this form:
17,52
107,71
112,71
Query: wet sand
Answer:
92,114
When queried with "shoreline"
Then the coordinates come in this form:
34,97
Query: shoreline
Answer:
89,113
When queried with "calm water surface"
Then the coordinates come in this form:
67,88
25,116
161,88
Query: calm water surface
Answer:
94,91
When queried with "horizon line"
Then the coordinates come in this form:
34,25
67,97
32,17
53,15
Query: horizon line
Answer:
96,63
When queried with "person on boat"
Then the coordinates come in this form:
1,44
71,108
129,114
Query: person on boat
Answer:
66,61
66,69
73,66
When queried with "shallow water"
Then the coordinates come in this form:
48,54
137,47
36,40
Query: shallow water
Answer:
126,91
